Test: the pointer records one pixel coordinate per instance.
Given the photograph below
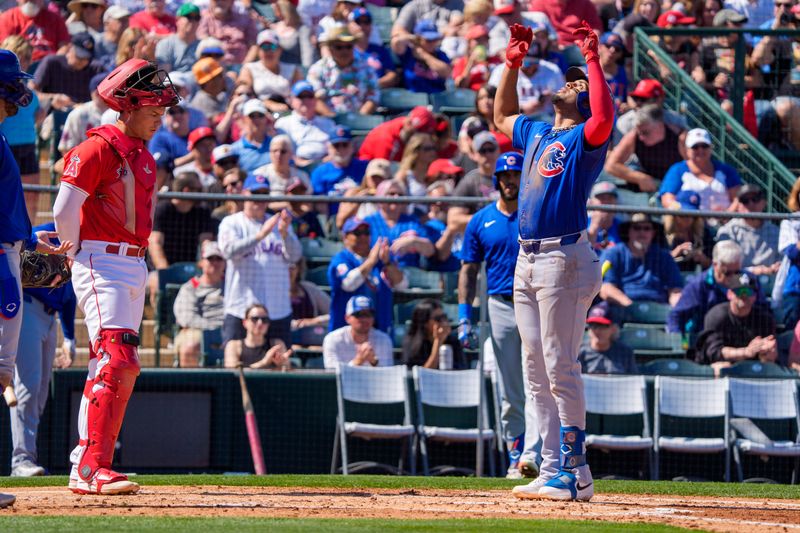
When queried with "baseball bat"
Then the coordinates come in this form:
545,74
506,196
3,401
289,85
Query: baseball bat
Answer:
252,427
10,397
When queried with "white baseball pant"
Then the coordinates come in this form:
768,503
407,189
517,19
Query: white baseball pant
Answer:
553,290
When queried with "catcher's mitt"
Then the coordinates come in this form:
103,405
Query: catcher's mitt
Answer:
38,270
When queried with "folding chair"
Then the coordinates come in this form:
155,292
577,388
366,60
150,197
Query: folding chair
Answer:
650,343
676,367
374,386
398,100
451,389
454,102
359,124
757,369
763,399
619,396
695,399
642,313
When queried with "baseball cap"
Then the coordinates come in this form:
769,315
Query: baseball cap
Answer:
508,161
603,187
211,249
673,18
483,138
503,7
209,46
724,16
476,32
422,119
612,39
267,36
206,69
352,224
359,12
301,87
83,44
254,105
95,81
575,74
223,151
181,79
379,167
341,134
648,88
698,136
443,166
600,314
689,200
115,12
745,279
338,34
199,133
427,30
357,304
749,188
187,9
255,182
75,4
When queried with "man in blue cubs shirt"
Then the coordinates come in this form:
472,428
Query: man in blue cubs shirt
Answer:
491,237
558,273
342,172
639,269
363,269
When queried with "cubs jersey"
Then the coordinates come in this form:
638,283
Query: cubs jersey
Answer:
374,286
557,176
491,236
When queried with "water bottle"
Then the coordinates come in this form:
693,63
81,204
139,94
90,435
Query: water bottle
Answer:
445,357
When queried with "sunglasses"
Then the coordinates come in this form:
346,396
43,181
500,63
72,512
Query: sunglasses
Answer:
172,111
228,163
440,318
269,47
305,96
232,184
729,273
595,325
363,21
281,151
257,116
340,145
341,47
751,199
90,6
744,292
641,227
486,151
363,314
193,18
260,318
701,146
215,258
784,5
361,232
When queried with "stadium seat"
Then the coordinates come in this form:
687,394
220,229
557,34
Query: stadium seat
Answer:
767,283
454,102
211,350
397,100
630,198
450,287
319,277
699,400
618,396
374,387
315,363
646,313
421,284
757,369
752,401
383,19
651,343
319,251
451,390
676,367
170,280
359,124
309,335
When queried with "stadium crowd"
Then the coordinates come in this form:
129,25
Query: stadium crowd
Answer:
352,99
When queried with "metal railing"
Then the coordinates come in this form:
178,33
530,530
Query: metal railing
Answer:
733,144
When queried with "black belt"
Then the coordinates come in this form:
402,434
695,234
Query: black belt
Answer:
506,297
47,309
533,247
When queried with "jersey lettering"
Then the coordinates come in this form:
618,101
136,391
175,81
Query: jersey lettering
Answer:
551,162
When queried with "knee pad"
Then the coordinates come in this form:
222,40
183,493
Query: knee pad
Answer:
573,450
108,397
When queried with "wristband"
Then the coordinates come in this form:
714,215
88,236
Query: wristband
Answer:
464,312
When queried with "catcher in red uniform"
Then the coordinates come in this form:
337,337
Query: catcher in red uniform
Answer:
105,205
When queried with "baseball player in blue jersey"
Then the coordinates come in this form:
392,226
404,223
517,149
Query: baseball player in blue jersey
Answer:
557,273
487,239
15,226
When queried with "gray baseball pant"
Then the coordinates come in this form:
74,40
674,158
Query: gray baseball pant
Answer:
37,349
553,290
9,329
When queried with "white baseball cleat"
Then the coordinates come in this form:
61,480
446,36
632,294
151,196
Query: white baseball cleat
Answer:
7,500
531,490
576,485
104,481
528,467
27,469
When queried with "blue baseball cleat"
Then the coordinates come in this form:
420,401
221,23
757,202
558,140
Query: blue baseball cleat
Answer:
576,485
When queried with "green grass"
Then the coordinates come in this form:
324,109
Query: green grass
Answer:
733,490
288,525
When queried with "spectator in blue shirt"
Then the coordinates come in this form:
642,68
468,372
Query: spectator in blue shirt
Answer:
715,182
342,172
639,269
169,145
363,269
603,228
425,67
407,237
253,146
377,56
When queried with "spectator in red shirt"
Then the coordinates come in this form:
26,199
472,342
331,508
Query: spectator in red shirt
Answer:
237,31
566,17
154,19
44,29
388,140
472,71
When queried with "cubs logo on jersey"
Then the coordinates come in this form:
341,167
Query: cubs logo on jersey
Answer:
551,162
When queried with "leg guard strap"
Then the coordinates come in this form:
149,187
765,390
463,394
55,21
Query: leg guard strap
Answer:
573,450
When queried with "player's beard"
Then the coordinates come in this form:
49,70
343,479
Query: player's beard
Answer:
556,98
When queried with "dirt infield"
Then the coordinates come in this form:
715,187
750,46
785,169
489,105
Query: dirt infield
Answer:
714,514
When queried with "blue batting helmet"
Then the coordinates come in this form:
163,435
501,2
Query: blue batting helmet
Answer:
507,161
12,89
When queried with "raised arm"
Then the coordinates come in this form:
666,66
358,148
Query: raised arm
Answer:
598,128
506,101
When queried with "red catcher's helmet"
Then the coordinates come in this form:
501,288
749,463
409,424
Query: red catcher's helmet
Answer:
137,83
